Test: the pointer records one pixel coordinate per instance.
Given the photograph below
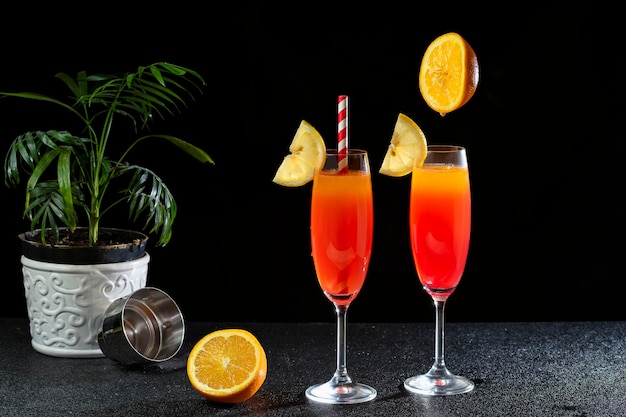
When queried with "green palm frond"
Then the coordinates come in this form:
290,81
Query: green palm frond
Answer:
84,171
149,197
47,207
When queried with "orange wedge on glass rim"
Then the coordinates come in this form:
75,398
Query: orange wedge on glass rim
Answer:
227,366
408,146
448,74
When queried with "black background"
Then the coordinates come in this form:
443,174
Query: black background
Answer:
542,134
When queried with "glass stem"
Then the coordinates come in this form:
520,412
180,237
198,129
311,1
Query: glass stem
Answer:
439,334
341,374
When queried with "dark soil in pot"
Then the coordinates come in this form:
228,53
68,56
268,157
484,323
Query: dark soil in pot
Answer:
114,245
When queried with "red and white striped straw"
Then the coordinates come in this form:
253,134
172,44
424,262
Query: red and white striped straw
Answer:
342,134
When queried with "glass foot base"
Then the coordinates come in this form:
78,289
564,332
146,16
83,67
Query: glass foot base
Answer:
433,383
348,393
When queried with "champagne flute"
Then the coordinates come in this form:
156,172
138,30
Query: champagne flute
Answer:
342,222
440,214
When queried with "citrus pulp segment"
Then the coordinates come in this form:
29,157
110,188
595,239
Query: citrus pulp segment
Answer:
307,152
408,146
227,366
448,74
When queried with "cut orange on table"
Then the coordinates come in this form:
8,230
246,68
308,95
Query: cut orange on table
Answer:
227,366
408,146
307,152
448,75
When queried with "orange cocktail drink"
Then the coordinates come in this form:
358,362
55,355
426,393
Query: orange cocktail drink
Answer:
440,225
342,221
342,225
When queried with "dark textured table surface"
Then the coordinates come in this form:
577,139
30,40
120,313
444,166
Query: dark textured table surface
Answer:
520,369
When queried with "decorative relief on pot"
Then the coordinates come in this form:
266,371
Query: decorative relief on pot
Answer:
66,303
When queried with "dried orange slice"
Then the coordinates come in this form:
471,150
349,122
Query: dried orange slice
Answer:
448,74
227,366
307,152
408,146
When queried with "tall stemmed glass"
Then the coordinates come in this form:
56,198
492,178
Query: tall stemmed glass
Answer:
342,222
440,214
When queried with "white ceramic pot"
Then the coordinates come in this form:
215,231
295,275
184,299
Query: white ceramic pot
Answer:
66,302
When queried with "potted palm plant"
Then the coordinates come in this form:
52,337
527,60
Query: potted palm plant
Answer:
73,267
